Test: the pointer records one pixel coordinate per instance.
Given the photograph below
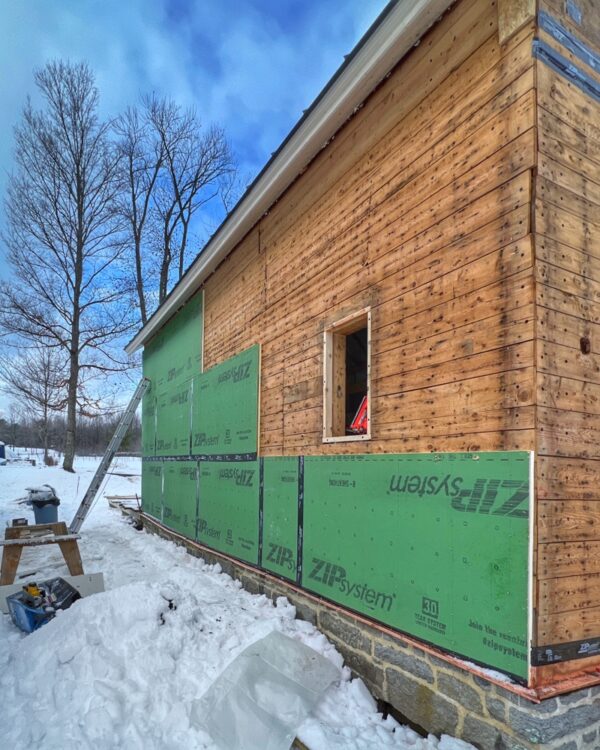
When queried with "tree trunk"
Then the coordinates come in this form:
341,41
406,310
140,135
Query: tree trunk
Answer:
182,247
164,268
72,388
139,277
71,414
45,434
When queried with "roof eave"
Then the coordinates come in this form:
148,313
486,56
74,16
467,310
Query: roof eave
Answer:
401,27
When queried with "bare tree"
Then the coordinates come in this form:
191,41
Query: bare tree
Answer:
233,186
169,170
37,380
93,435
15,418
64,235
141,158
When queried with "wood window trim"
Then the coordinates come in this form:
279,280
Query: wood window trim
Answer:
348,324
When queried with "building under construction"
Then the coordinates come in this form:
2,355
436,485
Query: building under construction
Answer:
377,388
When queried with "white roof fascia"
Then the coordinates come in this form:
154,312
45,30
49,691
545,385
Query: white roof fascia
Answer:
400,30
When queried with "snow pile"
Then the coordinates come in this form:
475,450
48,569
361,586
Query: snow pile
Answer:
127,668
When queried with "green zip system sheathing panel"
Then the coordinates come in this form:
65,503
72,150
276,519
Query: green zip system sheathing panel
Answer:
280,516
180,496
173,420
149,422
225,407
152,488
175,354
228,508
434,545
171,360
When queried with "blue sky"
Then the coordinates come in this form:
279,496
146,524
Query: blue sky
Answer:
250,66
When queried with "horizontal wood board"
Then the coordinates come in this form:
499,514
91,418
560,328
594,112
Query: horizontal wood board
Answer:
420,210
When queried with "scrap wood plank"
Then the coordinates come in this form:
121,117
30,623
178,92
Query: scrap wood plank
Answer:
36,541
120,502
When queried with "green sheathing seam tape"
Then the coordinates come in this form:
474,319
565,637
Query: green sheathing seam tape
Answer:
225,407
433,545
149,422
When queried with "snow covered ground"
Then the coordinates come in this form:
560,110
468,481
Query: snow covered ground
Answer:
121,669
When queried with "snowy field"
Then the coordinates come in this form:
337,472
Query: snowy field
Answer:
122,670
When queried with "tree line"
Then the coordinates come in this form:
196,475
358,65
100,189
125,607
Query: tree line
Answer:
21,429
102,218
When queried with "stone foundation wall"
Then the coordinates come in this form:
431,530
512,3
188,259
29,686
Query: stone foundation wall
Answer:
430,693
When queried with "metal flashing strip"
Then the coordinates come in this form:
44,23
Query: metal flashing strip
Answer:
568,40
220,458
300,519
578,77
560,652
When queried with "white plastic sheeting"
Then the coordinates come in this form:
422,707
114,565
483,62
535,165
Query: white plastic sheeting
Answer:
259,700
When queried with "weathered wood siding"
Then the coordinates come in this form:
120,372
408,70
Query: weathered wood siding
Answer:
567,225
420,207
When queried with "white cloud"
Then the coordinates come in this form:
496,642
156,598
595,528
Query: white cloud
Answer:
240,64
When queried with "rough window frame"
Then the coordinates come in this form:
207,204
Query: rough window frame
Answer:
332,375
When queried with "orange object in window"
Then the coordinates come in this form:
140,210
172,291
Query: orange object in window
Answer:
360,422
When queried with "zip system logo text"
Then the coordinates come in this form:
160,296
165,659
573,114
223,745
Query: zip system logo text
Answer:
235,374
241,477
336,577
485,496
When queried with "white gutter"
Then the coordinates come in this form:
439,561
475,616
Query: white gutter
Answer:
386,44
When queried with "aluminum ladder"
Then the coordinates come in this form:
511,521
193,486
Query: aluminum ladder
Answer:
113,447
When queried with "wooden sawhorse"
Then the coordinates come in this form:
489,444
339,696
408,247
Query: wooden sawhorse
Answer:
17,537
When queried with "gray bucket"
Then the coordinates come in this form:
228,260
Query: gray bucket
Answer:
44,502
45,512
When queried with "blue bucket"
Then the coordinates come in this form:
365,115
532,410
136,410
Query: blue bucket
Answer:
45,511
44,502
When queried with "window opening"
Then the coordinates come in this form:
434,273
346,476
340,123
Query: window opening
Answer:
347,375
